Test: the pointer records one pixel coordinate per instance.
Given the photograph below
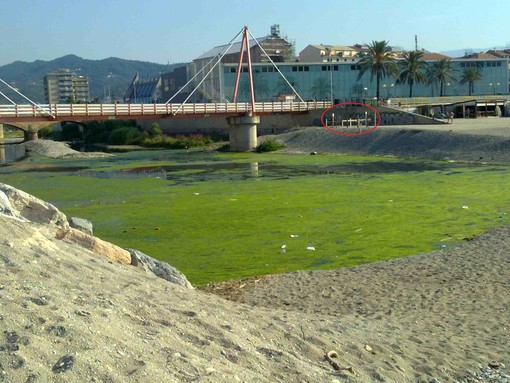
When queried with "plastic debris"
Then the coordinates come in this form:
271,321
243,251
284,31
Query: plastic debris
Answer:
310,248
196,193
284,246
358,230
294,235
465,207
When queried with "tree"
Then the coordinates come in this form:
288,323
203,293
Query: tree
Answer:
412,70
441,71
470,76
380,62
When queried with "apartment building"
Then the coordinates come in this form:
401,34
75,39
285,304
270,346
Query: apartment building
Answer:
64,86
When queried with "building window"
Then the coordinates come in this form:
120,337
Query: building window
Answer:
232,70
294,68
335,67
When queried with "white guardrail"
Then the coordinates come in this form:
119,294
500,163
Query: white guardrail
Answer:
46,111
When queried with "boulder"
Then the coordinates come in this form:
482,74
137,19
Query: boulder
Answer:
96,245
5,204
82,224
158,268
24,205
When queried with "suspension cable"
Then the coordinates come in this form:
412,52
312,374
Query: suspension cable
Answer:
230,43
29,100
278,69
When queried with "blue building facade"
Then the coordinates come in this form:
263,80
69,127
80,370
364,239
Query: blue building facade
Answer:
339,81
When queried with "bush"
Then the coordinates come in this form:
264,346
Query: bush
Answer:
45,132
127,135
270,145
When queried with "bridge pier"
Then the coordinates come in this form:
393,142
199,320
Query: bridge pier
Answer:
30,135
243,132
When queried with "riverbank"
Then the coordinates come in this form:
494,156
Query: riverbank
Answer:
482,141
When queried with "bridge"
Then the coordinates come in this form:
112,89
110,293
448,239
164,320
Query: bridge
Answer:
242,117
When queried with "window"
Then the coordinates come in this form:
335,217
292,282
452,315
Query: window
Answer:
335,67
325,68
355,67
232,70
294,69
499,63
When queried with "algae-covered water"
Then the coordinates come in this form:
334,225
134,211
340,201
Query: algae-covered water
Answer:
219,216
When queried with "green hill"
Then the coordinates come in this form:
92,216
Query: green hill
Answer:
112,73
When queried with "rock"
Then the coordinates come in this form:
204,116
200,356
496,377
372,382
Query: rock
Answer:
5,204
24,205
82,224
158,268
63,364
98,246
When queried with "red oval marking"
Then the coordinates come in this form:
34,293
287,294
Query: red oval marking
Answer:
351,134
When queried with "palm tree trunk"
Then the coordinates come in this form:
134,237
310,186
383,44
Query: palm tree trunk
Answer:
441,88
378,84
411,88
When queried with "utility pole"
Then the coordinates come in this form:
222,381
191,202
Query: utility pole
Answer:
415,42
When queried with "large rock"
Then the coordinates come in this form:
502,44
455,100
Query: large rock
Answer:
24,205
96,245
158,268
5,204
82,224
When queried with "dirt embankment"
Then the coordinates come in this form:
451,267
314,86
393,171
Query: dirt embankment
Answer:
409,142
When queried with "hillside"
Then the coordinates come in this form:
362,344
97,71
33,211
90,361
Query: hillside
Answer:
28,76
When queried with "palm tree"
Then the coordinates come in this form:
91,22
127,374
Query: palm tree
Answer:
379,61
470,76
442,72
412,68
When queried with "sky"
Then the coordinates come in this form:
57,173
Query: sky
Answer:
172,31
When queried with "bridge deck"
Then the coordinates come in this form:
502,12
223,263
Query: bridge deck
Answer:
62,112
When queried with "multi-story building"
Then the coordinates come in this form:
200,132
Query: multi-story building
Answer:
64,86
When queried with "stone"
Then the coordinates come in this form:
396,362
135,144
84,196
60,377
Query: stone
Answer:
24,205
82,224
63,364
5,204
96,245
160,269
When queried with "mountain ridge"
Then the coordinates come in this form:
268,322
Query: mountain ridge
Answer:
111,75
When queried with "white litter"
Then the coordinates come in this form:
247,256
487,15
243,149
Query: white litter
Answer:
284,246
196,193
465,207
294,235
358,230
310,248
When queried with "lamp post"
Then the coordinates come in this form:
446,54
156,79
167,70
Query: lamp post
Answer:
494,85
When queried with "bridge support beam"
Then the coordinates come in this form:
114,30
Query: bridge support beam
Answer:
243,133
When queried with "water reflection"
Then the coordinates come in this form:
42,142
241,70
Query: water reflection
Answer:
192,172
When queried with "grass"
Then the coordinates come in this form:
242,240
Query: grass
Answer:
225,226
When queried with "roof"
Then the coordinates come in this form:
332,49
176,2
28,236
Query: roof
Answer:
499,53
235,48
434,56
334,47
480,56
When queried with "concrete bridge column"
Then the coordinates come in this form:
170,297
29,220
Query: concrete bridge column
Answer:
31,134
243,132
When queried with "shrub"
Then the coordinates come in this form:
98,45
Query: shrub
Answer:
270,145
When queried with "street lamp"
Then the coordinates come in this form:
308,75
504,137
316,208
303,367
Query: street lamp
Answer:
494,87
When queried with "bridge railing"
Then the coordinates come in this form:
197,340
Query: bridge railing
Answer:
49,111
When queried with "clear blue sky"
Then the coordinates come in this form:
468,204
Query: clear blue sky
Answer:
180,30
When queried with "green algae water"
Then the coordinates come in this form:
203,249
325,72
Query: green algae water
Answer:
220,216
